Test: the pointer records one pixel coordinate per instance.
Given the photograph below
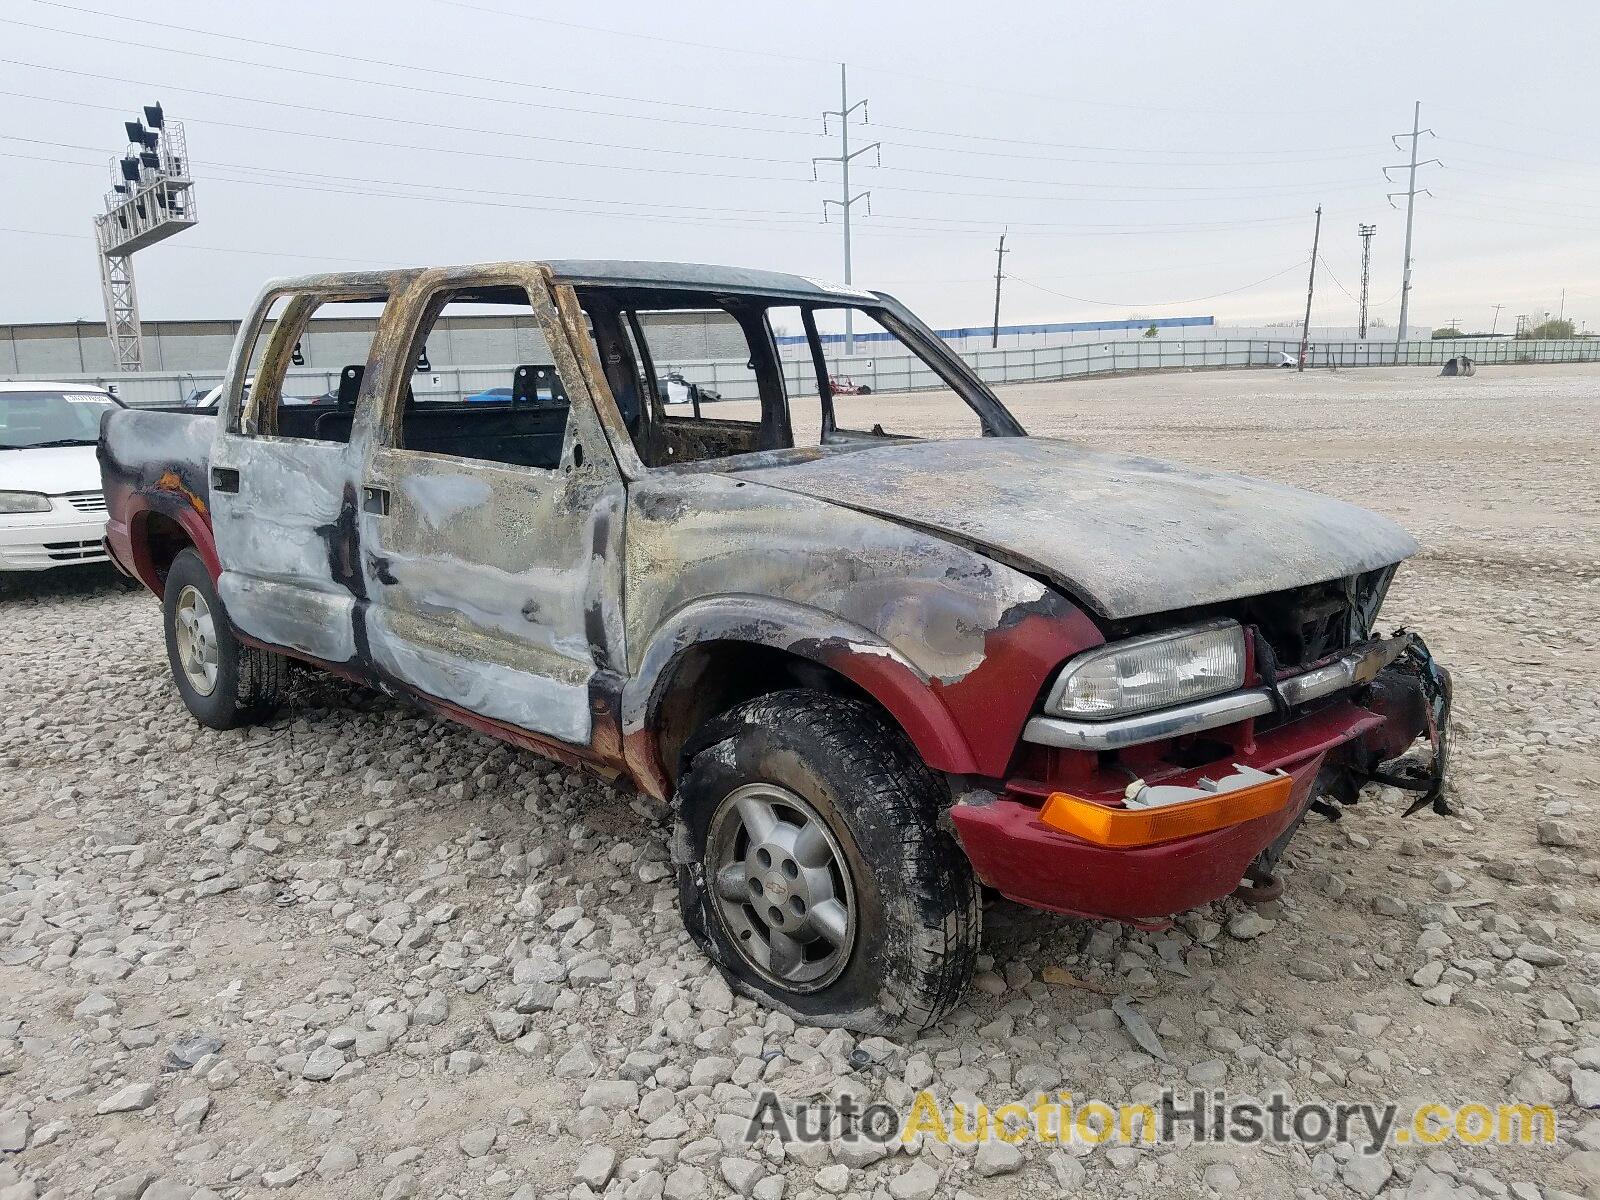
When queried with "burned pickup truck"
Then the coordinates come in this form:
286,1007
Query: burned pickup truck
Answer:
868,669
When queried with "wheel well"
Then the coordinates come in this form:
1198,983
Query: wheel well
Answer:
709,679
164,539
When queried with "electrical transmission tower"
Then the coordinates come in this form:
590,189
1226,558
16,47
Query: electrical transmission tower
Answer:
1411,204
151,198
1366,232
846,200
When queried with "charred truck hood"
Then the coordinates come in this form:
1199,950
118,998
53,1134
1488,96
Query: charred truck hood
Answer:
1128,536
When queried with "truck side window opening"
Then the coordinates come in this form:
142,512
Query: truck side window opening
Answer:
312,403
722,375
483,383
884,387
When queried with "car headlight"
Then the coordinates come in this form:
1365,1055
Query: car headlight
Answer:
23,502
1153,671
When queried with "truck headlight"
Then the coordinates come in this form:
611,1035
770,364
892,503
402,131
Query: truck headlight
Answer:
23,502
1152,671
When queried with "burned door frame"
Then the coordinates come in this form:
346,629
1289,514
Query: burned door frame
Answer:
493,588
282,508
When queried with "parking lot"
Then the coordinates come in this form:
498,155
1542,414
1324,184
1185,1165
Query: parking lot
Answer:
293,956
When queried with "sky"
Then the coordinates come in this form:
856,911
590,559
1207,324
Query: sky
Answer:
1144,160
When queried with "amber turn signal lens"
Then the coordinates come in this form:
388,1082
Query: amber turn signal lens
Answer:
1123,827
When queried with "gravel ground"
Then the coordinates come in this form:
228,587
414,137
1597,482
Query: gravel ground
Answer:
358,952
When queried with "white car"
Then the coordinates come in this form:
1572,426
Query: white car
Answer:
52,511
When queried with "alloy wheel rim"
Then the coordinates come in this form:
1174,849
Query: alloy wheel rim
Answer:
195,633
781,886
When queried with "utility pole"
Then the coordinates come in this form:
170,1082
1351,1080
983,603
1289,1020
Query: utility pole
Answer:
846,200
999,260
1411,206
1562,315
1366,232
1311,286
1495,328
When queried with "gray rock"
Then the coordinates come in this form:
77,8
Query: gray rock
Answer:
322,1064
595,1167
1585,1088
1138,1028
1537,1086
337,1161
610,1094
1067,1171
1221,1178
834,1179
1540,956
1365,1174
14,1129
686,1183
919,1182
1557,833
192,1113
432,1009
134,1097
996,1157
187,1051
741,1174
1248,924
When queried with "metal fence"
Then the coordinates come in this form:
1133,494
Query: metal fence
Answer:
733,380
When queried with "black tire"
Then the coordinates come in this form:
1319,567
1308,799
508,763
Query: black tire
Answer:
865,390
917,910
247,682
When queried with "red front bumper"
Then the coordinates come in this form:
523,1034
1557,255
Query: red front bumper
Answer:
1012,851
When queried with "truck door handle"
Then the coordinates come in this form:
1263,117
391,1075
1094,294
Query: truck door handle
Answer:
375,500
224,479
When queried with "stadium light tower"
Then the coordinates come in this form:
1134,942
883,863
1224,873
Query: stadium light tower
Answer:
151,198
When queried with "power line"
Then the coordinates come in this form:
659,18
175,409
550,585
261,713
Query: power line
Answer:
86,237
903,225
1160,303
1324,261
964,84
414,147
412,68
469,190
1139,187
405,87
989,137
634,33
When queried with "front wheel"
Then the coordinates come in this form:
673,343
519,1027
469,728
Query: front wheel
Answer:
223,682
812,869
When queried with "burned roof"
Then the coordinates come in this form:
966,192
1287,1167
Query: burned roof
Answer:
700,277
622,273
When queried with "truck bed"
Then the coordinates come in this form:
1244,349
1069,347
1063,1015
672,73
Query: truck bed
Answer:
153,463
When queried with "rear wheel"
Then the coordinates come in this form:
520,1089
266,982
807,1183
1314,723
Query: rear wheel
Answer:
812,869
223,682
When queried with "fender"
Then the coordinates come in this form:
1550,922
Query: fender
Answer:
183,507
855,653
